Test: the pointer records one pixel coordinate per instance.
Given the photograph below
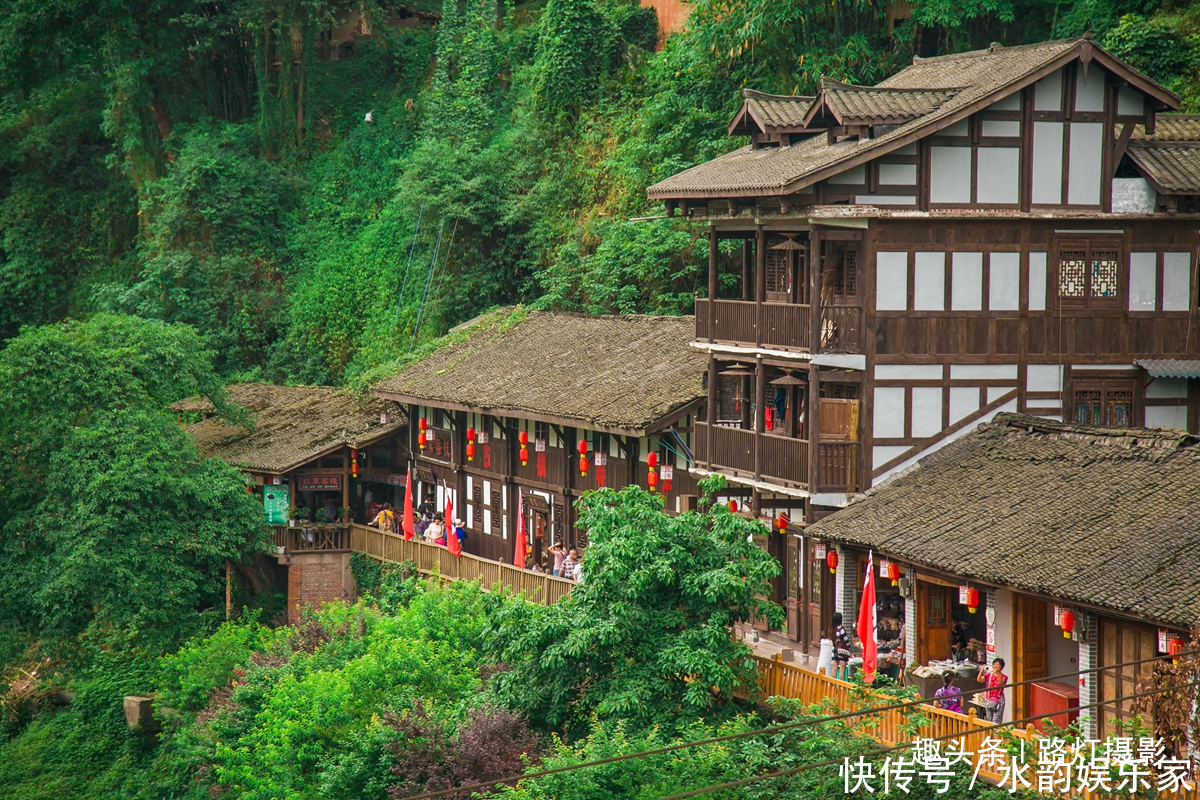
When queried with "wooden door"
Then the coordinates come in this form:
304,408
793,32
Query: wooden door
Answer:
933,622
541,526
1029,648
778,280
1121,642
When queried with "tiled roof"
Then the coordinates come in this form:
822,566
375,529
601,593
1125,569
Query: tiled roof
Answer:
863,105
774,111
616,373
292,424
1170,367
978,79
1171,128
1107,517
1173,168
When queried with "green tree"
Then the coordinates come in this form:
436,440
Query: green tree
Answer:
646,635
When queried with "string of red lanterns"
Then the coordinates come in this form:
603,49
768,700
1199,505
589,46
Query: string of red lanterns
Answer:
422,437
524,439
470,444
583,462
652,476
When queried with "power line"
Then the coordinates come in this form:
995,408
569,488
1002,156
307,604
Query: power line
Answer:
882,751
775,729
428,280
407,267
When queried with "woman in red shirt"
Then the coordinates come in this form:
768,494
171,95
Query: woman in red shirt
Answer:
993,681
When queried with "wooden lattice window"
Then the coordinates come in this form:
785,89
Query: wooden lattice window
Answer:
840,276
1108,403
778,281
1088,274
841,391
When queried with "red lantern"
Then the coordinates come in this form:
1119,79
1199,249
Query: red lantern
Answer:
831,558
733,506
972,599
423,423
1067,623
471,450
582,447
470,434
1174,648
893,572
524,438
652,460
781,522
652,480
421,439
583,465
524,455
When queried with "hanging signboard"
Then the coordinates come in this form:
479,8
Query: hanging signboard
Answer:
819,551
668,472
276,505
539,445
320,483
962,595
883,568
1164,639
601,459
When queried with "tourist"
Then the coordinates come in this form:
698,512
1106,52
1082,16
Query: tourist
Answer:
570,565
385,519
532,564
330,511
841,647
421,526
949,696
993,681
436,532
460,530
560,555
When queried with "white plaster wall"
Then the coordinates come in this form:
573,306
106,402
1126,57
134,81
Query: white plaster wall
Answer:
1044,378
1010,103
889,412
983,372
1001,127
1166,417
1089,90
1047,93
902,174
856,175
891,281
1176,283
1062,655
966,285
1143,278
882,454
1004,281
964,401
1083,181
906,372
999,171
1004,643
927,410
1166,388
950,175
1037,281
1130,102
929,282
1047,162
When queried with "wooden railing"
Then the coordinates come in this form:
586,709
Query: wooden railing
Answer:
732,448
784,458
786,325
839,467
841,329
432,559
318,538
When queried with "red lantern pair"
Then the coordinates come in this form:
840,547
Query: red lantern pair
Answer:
470,444
652,477
353,463
422,437
1174,648
583,462
524,440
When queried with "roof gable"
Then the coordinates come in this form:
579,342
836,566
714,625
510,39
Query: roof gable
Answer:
769,113
864,105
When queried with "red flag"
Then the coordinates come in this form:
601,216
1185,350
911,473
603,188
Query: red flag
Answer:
452,542
519,558
866,623
407,522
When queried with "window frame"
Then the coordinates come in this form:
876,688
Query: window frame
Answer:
1088,300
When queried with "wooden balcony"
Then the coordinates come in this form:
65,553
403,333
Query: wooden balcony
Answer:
781,459
312,539
841,329
783,326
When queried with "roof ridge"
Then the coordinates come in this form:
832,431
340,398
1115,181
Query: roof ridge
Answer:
757,95
839,85
1045,426
992,50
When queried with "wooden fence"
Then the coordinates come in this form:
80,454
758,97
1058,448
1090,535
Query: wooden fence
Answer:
432,559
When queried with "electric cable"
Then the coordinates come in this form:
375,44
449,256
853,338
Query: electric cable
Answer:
408,266
882,751
774,729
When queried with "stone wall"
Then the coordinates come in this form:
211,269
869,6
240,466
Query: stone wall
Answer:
316,578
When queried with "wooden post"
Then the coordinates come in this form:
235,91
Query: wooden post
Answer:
814,393
711,411
814,435
746,269
712,281
760,412
345,477
760,282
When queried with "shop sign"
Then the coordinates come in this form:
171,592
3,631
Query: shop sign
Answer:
819,551
1164,640
962,595
668,473
276,505
539,445
883,568
601,459
318,483
481,437
1058,612
991,638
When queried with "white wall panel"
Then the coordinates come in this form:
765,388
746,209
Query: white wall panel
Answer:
1083,186
1047,162
853,175
1163,388
999,174
1047,93
1037,281
1166,417
950,175
1044,378
1001,127
905,174
994,393
926,410
983,372
908,372
929,282
964,401
889,412
966,284
885,199
1010,103
891,281
1176,281
883,454
1143,281
1004,281
1130,102
1089,90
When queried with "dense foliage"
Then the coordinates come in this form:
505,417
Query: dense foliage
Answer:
304,213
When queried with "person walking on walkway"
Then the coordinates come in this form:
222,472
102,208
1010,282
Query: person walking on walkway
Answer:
993,681
385,520
841,647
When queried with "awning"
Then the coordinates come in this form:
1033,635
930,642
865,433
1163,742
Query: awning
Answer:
1170,367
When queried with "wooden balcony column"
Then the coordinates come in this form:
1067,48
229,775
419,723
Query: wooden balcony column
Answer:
747,270
711,410
712,281
814,294
760,411
760,282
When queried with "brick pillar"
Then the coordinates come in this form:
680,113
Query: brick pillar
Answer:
1089,684
847,584
910,617
295,578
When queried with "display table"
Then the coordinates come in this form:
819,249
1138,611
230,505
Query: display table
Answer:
1046,698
